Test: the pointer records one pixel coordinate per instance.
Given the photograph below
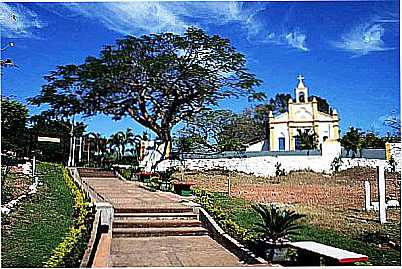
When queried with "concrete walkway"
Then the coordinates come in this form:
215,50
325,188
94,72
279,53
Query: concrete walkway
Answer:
159,230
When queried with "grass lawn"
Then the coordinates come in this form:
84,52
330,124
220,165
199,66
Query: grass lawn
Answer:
241,212
38,225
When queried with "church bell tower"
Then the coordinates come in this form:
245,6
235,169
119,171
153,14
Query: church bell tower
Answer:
301,91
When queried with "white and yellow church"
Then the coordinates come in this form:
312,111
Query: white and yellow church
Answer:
304,115
282,134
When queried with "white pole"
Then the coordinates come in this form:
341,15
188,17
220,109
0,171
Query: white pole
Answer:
80,151
33,165
69,154
381,193
73,155
367,191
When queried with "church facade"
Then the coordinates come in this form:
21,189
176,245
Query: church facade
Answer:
282,129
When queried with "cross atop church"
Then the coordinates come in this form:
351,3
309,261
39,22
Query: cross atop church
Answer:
300,84
300,78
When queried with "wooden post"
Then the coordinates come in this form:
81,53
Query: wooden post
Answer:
381,194
367,191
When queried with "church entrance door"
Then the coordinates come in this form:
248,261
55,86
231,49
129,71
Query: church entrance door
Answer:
281,143
297,143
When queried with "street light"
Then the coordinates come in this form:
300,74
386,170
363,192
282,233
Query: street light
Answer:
9,45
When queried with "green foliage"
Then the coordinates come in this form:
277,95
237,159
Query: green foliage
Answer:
207,200
218,130
14,116
157,79
322,104
277,224
69,252
279,171
371,140
308,139
52,152
277,105
392,163
352,141
336,164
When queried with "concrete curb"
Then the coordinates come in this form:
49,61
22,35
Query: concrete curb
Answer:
89,254
231,244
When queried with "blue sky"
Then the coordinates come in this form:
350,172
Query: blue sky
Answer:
347,51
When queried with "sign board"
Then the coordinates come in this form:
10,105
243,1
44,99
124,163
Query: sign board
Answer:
48,139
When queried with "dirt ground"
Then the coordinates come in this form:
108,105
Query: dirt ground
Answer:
330,201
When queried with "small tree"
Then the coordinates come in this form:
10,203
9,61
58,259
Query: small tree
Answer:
352,140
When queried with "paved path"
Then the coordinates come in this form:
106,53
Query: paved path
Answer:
132,250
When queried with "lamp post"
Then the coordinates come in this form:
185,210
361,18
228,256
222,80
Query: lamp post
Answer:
9,45
7,62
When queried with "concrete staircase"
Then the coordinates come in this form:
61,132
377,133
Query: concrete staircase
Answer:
156,222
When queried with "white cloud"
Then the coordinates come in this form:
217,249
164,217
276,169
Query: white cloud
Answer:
294,39
363,39
154,17
17,21
297,40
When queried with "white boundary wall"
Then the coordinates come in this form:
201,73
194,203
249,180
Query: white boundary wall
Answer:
265,165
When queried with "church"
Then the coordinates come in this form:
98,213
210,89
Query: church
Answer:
302,114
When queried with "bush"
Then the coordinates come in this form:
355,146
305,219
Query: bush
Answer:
69,252
336,164
205,199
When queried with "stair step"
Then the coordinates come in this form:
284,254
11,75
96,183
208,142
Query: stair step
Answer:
147,232
155,216
155,223
153,210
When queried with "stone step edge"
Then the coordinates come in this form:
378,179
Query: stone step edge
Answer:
144,232
153,210
156,223
156,214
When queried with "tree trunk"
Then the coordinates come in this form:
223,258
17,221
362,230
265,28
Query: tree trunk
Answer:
167,142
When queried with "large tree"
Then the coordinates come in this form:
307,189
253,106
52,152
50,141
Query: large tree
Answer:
158,80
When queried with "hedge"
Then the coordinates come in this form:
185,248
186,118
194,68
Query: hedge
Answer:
70,251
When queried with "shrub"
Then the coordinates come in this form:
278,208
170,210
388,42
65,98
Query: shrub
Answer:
277,225
206,200
336,164
70,250
279,171
392,164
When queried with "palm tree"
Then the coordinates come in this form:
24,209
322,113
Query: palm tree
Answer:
308,139
127,139
277,225
115,143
